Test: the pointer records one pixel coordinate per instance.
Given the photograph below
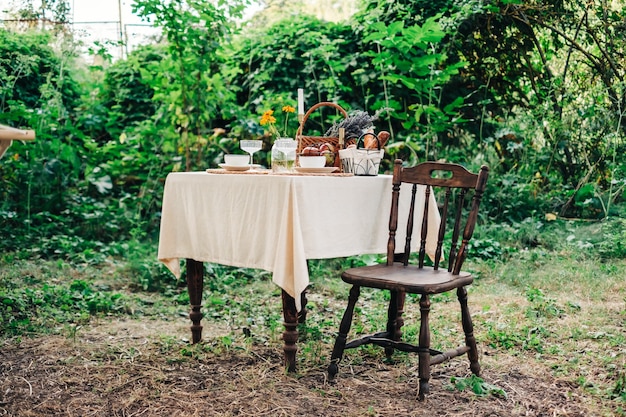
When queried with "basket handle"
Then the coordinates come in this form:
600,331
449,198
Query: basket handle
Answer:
315,107
361,139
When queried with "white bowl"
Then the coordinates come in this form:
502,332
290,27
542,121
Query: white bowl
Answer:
236,160
312,161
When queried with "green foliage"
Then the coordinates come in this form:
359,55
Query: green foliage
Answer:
44,180
528,338
56,11
125,97
465,82
529,201
619,390
28,62
143,269
613,242
415,64
300,52
541,305
196,31
24,310
477,385
485,249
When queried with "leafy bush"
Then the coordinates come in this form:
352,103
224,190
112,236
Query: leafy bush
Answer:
28,63
26,309
542,305
613,242
105,144
485,249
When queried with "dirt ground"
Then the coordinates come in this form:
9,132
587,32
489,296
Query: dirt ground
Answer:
124,368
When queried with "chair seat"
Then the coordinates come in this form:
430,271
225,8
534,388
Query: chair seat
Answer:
410,278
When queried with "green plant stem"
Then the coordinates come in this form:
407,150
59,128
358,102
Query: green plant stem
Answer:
613,159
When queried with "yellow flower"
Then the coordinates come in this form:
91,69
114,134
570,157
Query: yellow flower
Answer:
268,119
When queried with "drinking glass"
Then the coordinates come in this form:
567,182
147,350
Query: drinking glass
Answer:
251,146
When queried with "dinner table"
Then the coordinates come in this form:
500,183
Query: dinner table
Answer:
275,222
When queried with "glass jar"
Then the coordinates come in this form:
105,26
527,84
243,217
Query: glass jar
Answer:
283,155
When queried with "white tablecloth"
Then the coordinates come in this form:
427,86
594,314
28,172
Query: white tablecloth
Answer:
277,222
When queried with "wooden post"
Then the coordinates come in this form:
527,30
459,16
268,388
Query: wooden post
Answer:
290,335
195,284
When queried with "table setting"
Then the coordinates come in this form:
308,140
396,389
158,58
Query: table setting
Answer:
202,212
201,221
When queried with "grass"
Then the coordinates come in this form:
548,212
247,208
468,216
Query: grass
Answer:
555,303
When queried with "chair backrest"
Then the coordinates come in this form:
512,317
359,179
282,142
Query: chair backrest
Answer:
456,186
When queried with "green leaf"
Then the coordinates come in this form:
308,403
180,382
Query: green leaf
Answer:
478,386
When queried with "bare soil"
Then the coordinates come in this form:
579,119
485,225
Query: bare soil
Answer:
129,368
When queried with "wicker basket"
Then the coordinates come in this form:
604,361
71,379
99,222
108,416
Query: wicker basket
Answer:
361,161
304,141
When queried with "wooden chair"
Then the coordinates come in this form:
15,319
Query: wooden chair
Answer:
398,276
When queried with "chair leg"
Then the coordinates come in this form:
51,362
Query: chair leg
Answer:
394,319
344,328
468,329
424,347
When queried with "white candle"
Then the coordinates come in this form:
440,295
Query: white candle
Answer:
300,101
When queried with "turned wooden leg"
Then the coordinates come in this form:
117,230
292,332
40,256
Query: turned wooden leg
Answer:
302,312
399,313
468,329
194,287
424,347
290,335
395,321
344,328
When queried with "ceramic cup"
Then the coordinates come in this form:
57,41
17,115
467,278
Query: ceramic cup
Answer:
236,160
312,161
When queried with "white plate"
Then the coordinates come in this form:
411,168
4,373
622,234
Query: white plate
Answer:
322,170
235,167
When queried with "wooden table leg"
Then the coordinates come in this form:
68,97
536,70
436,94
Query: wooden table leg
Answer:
302,313
195,281
290,335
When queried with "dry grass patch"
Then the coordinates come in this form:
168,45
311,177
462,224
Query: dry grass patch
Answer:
99,375
551,334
